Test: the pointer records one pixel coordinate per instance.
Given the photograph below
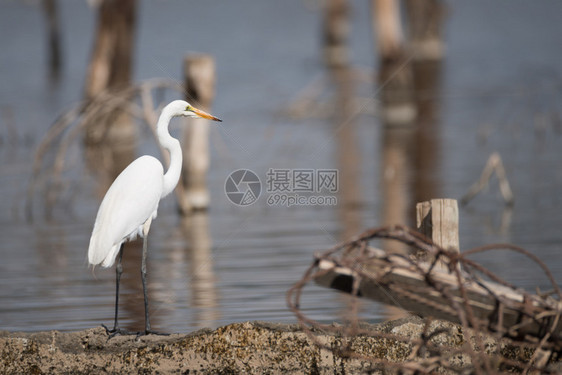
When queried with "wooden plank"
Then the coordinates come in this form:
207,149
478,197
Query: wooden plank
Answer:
391,279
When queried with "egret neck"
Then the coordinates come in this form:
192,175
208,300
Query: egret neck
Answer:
171,144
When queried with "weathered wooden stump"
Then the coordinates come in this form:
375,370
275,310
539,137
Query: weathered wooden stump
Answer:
199,75
438,219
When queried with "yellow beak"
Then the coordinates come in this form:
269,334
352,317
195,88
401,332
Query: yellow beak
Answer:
204,114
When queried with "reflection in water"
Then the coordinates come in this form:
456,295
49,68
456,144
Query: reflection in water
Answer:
398,119
51,250
342,75
335,31
335,49
397,158
398,116
349,161
427,82
131,302
50,10
201,276
349,166
109,148
410,151
410,143
494,221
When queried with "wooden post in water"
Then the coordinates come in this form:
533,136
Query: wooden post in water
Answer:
395,80
50,8
387,28
425,26
110,143
199,76
438,219
335,32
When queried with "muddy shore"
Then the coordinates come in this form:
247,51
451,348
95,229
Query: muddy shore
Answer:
251,348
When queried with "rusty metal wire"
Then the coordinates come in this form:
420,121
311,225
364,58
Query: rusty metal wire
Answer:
536,329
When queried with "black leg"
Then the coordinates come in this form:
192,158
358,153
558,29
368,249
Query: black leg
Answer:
147,329
118,272
144,289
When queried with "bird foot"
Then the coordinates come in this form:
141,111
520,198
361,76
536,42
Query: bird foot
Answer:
117,331
151,332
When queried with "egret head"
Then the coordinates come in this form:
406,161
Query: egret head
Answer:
183,108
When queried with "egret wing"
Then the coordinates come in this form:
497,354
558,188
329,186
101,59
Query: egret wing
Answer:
131,200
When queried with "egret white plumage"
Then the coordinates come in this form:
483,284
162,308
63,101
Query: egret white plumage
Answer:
131,203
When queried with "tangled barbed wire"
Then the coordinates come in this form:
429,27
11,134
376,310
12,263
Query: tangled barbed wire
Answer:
465,293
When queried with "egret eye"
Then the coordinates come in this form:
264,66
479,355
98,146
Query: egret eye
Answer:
189,108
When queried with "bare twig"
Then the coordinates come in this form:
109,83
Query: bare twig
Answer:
494,164
47,174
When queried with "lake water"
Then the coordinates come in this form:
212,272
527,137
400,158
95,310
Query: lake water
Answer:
499,90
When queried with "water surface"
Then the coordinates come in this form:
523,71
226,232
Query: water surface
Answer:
499,90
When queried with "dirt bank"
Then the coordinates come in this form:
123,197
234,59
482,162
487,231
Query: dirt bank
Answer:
252,348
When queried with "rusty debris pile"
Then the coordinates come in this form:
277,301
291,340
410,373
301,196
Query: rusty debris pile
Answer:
502,327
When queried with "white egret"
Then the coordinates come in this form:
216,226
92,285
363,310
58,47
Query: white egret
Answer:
131,203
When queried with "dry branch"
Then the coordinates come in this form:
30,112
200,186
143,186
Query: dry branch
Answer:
52,153
494,164
316,100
